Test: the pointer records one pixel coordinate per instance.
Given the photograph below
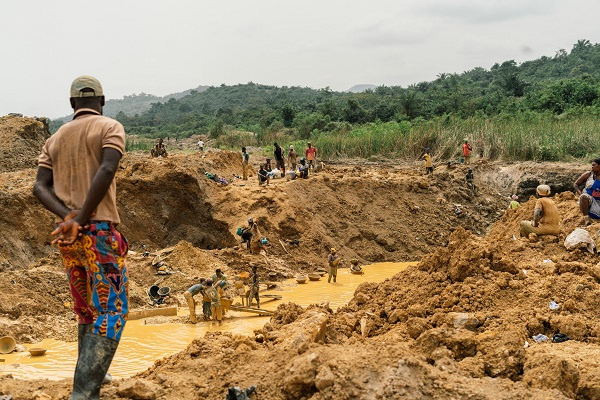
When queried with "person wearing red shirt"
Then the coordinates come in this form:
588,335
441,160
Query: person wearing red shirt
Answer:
311,156
467,148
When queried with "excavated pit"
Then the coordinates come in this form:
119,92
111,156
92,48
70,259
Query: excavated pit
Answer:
454,326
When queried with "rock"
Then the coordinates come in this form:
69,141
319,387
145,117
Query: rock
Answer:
397,315
41,396
20,348
161,378
416,326
308,328
324,379
138,389
361,298
300,375
260,338
107,379
363,327
463,320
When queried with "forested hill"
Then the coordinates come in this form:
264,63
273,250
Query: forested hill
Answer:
134,104
566,82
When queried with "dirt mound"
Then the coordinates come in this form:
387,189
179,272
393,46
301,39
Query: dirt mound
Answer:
36,304
473,305
21,140
186,264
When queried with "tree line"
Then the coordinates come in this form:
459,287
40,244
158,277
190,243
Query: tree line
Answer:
563,85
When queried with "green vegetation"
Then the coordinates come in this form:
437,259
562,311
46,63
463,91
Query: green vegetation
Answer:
545,109
139,144
525,136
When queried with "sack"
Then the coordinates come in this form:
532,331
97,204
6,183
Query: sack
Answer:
580,236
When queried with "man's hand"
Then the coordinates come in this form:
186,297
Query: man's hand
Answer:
66,233
73,215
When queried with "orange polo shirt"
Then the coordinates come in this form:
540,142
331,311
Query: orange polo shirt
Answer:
74,154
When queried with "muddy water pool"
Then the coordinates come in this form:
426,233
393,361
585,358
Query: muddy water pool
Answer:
142,343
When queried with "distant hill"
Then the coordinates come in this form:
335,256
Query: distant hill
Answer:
131,105
565,83
361,88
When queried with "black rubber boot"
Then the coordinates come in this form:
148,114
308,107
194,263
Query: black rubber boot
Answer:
94,359
82,329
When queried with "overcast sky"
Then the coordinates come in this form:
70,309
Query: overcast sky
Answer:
162,47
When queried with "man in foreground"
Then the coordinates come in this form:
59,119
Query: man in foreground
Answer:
545,216
75,180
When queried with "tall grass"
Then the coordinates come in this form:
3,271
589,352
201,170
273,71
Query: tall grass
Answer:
139,144
525,136
522,137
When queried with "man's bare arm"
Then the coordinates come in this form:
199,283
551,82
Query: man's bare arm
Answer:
537,215
43,189
580,181
100,184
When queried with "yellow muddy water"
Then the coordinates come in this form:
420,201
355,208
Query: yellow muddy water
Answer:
142,344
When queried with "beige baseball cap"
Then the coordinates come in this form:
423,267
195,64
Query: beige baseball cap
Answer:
86,82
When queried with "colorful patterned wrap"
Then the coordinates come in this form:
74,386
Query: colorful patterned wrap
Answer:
95,265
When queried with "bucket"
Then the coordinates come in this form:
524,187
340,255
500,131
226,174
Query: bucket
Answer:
461,160
153,291
7,344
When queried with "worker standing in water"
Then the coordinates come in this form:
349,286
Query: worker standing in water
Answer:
189,297
545,216
215,292
206,302
333,260
254,287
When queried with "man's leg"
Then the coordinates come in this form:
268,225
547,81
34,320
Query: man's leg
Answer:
584,205
105,250
191,305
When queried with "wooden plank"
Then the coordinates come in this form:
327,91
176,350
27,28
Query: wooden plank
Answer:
258,311
151,312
